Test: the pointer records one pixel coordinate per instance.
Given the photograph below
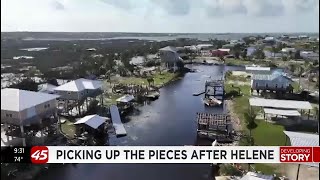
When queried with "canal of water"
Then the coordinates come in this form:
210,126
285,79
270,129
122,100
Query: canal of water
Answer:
170,120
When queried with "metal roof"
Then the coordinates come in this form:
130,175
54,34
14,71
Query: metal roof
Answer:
47,87
282,112
93,121
275,103
303,139
258,68
18,100
268,77
79,85
256,176
169,48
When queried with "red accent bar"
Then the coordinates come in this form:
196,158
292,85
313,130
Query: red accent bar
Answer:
316,154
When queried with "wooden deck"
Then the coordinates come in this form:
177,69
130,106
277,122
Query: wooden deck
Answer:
214,126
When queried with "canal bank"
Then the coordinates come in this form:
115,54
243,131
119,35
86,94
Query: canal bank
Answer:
170,120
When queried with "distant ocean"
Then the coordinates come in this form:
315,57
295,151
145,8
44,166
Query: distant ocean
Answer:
167,37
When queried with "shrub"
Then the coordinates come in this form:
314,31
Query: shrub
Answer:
229,170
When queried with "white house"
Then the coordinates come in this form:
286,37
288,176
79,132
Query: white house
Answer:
78,89
269,39
204,46
20,108
75,93
273,82
288,50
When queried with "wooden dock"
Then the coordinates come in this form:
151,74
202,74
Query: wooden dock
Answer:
214,126
116,121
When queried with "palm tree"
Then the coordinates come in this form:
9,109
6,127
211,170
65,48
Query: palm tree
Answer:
316,113
292,68
274,51
307,68
300,72
250,123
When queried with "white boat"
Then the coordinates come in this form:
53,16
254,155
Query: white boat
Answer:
211,101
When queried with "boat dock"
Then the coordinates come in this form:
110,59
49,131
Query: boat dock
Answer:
116,121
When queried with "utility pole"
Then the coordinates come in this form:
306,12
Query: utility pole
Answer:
298,172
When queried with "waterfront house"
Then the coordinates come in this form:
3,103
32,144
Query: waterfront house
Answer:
22,110
275,81
77,91
170,56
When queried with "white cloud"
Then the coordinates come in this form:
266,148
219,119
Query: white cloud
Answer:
160,15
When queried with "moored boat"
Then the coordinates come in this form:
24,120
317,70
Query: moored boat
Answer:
211,102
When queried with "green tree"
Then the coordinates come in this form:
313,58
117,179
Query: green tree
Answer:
250,118
26,84
259,54
297,54
244,54
237,54
274,50
292,68
284,58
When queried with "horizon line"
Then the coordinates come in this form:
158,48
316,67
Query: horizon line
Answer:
158,32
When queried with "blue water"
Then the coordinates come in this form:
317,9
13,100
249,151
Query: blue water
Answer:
170,120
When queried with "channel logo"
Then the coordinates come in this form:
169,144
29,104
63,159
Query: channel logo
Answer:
39,154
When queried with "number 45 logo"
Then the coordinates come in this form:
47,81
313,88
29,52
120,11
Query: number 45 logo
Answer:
39,154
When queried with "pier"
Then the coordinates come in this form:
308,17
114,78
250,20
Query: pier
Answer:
116,121
214,126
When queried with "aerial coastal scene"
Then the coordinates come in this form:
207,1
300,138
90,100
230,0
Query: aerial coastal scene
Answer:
160,73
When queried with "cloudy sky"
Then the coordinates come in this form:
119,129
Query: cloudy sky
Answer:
194,16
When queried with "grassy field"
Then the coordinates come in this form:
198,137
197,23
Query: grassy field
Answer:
266,134
273,132
237,62
242,62
68,128
159,79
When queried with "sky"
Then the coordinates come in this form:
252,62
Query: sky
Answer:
161,16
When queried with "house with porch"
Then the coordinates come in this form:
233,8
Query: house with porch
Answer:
74,93
26,115
275,81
